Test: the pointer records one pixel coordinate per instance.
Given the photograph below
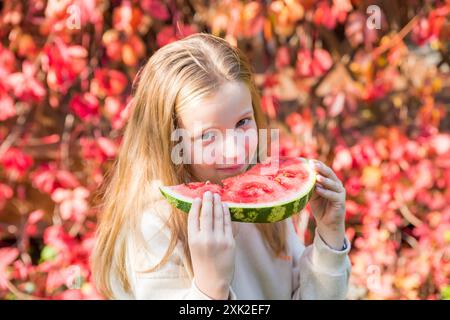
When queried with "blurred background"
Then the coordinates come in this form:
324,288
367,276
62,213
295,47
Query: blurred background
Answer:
361,85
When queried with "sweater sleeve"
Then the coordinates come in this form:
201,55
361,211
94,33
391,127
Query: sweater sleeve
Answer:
171,281
319,272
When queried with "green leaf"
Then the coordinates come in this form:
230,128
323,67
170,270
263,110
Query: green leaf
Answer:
447,235
48,253
445,293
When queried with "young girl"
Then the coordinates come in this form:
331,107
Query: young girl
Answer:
146,249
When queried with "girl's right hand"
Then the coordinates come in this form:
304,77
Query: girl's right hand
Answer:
212,245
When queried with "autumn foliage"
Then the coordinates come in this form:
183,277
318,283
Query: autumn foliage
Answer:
372,102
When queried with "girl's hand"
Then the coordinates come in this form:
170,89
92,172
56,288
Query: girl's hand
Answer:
212,245
328,206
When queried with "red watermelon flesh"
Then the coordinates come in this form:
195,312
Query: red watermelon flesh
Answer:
260,184
265,193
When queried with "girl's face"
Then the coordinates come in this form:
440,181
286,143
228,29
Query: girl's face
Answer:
223,133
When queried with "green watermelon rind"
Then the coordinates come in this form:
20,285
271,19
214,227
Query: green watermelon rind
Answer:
259,213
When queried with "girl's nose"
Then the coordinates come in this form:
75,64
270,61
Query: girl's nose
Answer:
233,148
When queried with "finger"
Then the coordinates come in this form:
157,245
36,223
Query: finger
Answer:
194,212
329,183
325,170
227,220
206,212
218,214
328,194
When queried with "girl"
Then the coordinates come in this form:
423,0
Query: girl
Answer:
145,249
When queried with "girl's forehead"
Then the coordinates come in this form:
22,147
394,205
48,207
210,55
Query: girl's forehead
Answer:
231,101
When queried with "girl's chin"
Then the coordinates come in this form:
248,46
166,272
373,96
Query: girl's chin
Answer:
221,174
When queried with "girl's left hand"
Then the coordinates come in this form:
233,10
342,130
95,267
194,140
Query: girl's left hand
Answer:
328,206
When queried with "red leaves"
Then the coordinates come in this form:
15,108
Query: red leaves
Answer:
33,219
166,36
107,146
335,104
169,34
25,85
252,19
108,82
56,237
156,8
313,65
300,124
16,163
285,15
430,28
357,32
117,111
63,64
441,144
343,159
7,109
49,177
7,61
127,18
375,91
323,15
60,13
73,203
330,16
99,149
282,58
269,104
132,51
127,48
394,185
7,256
300,141
86,107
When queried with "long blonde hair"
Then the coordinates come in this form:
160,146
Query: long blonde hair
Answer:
187,69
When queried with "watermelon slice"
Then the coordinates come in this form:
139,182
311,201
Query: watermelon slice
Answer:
265,193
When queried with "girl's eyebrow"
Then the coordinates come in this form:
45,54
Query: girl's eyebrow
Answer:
247,112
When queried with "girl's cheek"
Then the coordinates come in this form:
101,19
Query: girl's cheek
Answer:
251,144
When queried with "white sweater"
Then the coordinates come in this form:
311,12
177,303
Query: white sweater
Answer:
314,272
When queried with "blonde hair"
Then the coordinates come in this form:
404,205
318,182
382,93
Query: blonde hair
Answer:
187,69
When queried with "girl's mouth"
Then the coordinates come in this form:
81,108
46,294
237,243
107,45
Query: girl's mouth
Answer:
232,168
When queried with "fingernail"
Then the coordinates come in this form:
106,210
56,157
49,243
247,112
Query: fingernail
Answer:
197,199
208,194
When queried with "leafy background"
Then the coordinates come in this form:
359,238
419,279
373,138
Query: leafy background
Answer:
372,103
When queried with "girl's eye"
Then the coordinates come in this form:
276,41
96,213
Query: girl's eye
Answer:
243,122
208,136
